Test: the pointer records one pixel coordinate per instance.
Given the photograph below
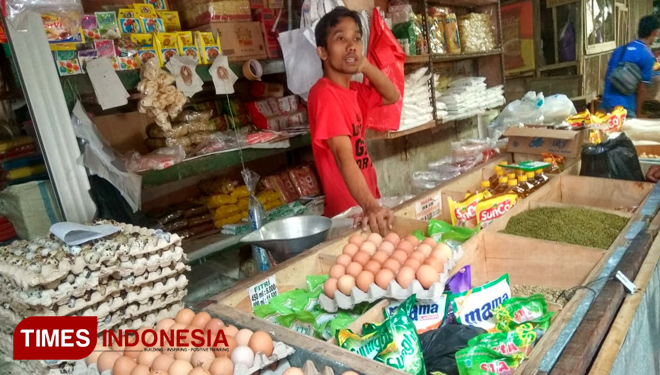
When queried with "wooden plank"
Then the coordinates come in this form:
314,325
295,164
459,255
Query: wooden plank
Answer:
474,255
619,330
610,193
374,135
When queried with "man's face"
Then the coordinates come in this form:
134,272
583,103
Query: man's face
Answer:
344,50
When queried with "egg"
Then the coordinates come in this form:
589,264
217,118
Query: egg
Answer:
435,263
438,254
406,246
356,239
372,266
165,324
392,265
92,358
202,358
141,370
107,360
243,336
427,275
375,238
445,249
350,373
180,367
244,355
405,276
199,371
176,327
429,241
364,280
424,249
393,238
185,316
230,330
158,372
134,351
201,319
361,257
261,342
386,247
223,350
380,257
350,249
330,287
345,284
369,248
400,256
412,263
117,347
412,240
183,354
383,278
162,363
343,259
354,269
214,325
222,366
123,366
418,256
293,371
147,358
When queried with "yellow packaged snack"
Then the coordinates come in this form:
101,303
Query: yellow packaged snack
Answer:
187,45
580,119
464,213
492,208
166,46
209,49
225,211
221,199
145,10
244,214
230,220
240,192
170,19
272,205
243,204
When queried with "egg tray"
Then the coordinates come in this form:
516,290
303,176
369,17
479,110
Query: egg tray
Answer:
309,368
394,291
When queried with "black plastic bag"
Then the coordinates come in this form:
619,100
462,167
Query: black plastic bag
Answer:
439,346
112,206
615,158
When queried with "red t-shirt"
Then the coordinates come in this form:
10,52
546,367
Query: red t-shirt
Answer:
337,111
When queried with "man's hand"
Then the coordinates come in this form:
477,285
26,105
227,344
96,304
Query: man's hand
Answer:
653,174
364,64
378,219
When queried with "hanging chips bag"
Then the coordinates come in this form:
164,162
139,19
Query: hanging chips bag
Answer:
519,341
495,207
519,310
475,306
479,360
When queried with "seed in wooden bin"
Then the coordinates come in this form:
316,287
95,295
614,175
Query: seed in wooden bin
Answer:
354,269
364,279
427,275
372,266
337,271
345,284
350,249
383,277
405,276
330,287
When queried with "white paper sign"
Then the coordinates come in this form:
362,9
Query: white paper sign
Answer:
109,90
222,75
184,70
261,293
428,208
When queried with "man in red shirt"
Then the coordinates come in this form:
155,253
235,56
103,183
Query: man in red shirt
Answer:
337,108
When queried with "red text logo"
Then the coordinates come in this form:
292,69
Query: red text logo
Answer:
55,338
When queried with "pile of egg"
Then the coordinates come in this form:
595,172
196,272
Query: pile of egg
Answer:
380,260
242,346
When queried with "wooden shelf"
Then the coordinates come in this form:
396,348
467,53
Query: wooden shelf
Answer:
417,59
372,134
464,56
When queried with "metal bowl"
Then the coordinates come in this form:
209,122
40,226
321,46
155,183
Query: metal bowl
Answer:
289,237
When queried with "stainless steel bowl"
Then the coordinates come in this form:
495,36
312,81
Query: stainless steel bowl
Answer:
289,237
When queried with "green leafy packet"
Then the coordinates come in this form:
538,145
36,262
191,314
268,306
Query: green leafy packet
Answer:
479,360
408,357
519,310
370,345
519,341
443,231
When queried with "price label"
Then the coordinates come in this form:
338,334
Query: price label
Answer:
261,293
428,208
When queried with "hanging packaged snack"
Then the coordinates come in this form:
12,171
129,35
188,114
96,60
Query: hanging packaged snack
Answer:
451,34
494,207
437,19
305,181
475,306
90,27
108,25
257,218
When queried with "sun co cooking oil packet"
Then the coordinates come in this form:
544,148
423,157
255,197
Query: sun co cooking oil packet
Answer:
464,213
494,207
475,306
479,360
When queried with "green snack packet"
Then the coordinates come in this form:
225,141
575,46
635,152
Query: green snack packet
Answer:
315,284
302,322
419,235
518,310
519,341
441,230
370,345
479,360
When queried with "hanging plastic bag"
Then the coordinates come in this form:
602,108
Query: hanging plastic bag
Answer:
69,12
386,54
302,64
257,216
615,158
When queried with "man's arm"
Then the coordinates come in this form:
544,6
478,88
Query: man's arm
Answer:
380,82
379,219
641,97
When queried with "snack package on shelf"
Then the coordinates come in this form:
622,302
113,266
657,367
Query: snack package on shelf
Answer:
161,158
476,31
452,37
277,114
305,180
161,99
437,19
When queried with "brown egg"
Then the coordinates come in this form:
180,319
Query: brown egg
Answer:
393,238
199,371
350,249
400,256
158,372
361,257
372,266
243,336
345,284
364,280
386,247
412,263
427,275
185,316
134,351
231,345
435,263
418,256
92,358
356,239
293,371
123,366
162,363
261,342
383,277
424,249
337,271
369,248
214,325
107,360
183,354
438,254
343,259
405,246
231,330
202,358
222,366
392,265
141,370
201,319
176,327
405,276
165,324
375,238
350,373
445,249
180,367
380,257
330,287
354,269
147,358
412,240
429,241
117,347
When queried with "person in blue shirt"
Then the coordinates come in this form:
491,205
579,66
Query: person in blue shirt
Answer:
639,53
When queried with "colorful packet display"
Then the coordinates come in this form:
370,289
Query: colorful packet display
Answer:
479,360
90,27
461,281
476,306
371,345
519,310
426,317
108,25
464,213
408,357
519,341
494,207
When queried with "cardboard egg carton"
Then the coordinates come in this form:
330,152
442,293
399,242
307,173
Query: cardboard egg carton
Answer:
309,368
116,318
394,291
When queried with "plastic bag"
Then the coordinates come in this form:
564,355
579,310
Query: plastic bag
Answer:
615,158
557,108
516,113
302,64
216,142
386,54
440,346
476,31
422,181
70,12
161,158
257,218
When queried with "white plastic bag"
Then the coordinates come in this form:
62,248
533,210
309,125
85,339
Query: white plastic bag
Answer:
303,65
557,108
70,12
518,113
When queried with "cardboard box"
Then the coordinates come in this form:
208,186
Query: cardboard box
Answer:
240,41
267,18
537,141
124,132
